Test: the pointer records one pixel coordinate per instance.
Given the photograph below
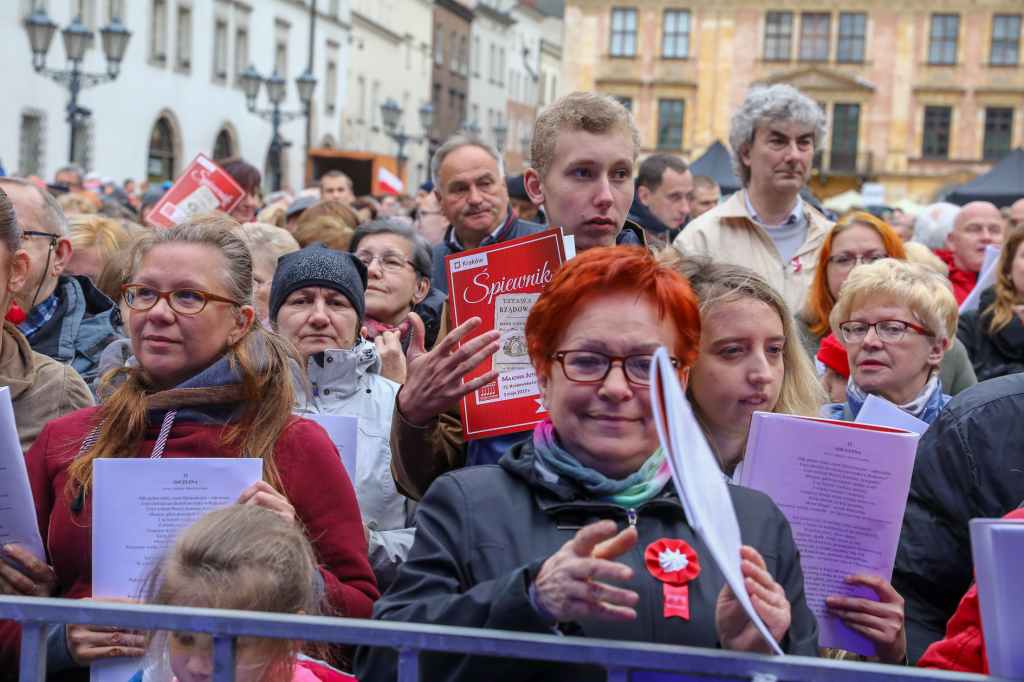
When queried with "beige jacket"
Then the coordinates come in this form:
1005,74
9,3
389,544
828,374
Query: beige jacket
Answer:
41,388
728,233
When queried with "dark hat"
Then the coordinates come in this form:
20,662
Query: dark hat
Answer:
152,195
517,187
300,205
427,186
319,266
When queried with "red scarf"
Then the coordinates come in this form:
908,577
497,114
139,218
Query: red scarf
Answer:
375,329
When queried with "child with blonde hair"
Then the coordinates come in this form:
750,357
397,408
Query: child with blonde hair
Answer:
240,557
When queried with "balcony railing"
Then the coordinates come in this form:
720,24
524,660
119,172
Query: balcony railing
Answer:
624,661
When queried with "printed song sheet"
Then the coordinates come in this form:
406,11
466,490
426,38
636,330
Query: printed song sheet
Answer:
18,524
844,489
139,508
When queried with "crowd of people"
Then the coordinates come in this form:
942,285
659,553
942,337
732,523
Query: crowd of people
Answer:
213,338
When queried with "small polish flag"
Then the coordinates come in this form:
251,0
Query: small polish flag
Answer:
389,182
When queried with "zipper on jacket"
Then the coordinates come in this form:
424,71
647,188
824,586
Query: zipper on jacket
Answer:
631,514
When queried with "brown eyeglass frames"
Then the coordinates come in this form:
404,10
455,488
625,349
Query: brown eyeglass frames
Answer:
181,301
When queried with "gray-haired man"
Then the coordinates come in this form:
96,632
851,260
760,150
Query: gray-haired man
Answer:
469,181
765,226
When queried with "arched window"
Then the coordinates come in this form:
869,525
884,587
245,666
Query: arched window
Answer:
224,147
161,152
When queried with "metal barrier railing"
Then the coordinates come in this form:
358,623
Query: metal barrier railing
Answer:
620,659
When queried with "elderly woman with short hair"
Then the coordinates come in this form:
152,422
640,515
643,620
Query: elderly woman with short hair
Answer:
896,320
553,539
267,243
399,264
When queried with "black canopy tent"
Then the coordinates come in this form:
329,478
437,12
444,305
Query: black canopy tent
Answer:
717,165
1002,185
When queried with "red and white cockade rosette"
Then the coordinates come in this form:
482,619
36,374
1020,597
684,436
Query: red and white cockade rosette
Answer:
674,563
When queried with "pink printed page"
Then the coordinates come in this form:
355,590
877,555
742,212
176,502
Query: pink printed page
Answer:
844,490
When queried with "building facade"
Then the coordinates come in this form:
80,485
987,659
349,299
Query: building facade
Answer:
450,82
389,58
550,86
178,92
524,48
919,96
488,101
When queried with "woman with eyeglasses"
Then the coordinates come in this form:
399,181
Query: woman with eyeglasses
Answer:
197,379
857,239
568,533
399,266
751,360
862,239
317,301
896,320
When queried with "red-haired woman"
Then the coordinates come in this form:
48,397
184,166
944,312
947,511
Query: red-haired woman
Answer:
856,239
554,537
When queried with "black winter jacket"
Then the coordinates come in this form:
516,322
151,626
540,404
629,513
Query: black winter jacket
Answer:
483,533
992,355
969,464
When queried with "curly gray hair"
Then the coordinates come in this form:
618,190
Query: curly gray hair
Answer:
765,103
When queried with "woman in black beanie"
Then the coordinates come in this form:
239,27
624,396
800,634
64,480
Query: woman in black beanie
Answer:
317,301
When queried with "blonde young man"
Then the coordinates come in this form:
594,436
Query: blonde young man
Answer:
766,226
584,149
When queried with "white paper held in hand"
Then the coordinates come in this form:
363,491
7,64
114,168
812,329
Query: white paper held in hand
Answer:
880,412
699,482
344,433
18,524
139,507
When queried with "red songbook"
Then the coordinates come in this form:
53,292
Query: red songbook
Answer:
499,284
203,186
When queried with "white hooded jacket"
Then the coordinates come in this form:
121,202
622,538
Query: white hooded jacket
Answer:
349,383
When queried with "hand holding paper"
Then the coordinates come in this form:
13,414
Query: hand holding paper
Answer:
710,513
735,630
23,575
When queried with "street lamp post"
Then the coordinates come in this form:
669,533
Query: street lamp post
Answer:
40,29
395,129
251,82
499,135
525,144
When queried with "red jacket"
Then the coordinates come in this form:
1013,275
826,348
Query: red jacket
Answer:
963,280
313,479
963,647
